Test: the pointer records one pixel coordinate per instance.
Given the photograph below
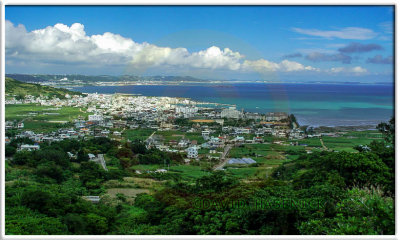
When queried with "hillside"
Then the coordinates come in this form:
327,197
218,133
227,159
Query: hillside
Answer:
21,89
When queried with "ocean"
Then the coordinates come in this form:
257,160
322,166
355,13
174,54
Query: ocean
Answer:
312,104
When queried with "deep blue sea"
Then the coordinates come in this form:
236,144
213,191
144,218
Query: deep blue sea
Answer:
312,104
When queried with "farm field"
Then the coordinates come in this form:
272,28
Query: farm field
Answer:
42,113
137,134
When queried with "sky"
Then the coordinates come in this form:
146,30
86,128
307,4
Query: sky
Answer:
270,43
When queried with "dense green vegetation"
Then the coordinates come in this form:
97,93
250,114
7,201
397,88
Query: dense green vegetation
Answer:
354,190
21,89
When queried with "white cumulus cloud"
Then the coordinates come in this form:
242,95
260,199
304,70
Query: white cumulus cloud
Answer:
351,70
61,45
263,65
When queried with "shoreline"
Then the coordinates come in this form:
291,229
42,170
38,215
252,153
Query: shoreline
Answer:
303,120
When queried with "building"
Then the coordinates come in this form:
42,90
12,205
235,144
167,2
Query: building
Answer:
296,134
205,134
95,117
192,152
231,112
275,116
93,199
27,147
161,171
186,110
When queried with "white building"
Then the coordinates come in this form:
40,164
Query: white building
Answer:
95,117
275,116
231,112
186,110
28,147
205,134
192,152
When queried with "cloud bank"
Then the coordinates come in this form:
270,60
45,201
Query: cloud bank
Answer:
355,33
62,45
359,48
378,59
323,57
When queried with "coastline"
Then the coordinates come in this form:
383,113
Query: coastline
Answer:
190,92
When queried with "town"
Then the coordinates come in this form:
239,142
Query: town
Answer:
110,115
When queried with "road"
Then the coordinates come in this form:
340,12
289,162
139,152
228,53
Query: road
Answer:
224,160
323,145
101,161
150,136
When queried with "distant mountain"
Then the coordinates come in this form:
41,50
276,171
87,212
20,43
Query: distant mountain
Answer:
37,78
21,89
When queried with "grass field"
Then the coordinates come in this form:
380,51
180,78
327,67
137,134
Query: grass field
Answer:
42,118
188,171
346,142
41,126
244,172
140,134
250,150
42,113
177,135
268,156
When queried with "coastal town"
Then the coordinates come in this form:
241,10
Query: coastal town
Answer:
110,115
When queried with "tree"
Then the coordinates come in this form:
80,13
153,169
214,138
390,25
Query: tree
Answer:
388,130
362,211
76,224
82,156
96,225
139,147
51,170
22,158
35,226
10,151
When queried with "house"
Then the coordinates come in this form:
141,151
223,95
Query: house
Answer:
230,112
20,125
296,134
205,134
71,155
193,143
161,171
95,118
275,116
242,131
183,143
205,145
93,199
105,132
192,152
119,124
27,147
238,139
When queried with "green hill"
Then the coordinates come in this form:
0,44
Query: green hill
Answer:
21,89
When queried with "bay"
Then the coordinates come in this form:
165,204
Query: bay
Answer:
312,104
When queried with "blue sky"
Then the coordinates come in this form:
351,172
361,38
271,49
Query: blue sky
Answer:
243,42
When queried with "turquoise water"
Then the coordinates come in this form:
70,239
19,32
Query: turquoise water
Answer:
313,104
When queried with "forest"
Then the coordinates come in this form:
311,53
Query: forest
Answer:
44,190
